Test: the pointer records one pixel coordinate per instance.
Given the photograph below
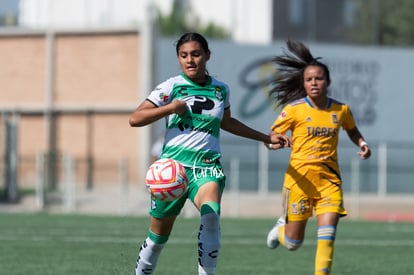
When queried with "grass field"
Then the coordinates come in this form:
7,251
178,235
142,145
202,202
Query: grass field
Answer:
73,244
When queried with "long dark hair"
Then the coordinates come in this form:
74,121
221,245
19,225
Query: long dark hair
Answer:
287,85
192,36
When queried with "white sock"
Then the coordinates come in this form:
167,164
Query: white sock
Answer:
148,257
208,243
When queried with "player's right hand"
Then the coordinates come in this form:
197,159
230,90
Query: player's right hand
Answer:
278,141
179,107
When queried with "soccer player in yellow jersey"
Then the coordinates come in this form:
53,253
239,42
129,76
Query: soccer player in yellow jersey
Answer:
312,181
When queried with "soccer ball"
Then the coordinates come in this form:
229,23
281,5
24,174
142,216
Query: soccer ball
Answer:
166,180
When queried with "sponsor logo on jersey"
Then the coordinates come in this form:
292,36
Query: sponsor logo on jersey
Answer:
322,131
163,97
184,126
207,172
182,91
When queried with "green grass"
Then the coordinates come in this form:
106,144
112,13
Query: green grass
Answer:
74,244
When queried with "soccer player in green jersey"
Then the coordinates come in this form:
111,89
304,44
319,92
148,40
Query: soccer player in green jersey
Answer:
196,107
312,181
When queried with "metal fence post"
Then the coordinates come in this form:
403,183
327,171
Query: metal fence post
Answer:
69,184
355,187
382,169
235,184
40,181
263,162
123,182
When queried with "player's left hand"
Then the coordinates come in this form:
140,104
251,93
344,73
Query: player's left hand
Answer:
365,152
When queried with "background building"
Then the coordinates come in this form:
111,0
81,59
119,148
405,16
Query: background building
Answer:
246,21
377,22
69,94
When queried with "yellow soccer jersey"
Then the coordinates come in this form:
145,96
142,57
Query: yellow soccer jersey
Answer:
315,136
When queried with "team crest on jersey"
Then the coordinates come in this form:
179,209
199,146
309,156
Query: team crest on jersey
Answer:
219,94
183,91
334,119
282,115
163,97
308,119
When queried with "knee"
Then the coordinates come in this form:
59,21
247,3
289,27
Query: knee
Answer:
210,207
210,215
292,245
158,241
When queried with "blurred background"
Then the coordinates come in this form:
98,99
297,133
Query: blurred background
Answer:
72,71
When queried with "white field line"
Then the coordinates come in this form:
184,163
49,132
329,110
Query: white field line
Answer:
224,241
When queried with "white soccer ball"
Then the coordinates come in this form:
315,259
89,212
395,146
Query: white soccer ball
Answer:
166,180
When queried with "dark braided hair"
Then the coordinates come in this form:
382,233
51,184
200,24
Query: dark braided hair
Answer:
287,85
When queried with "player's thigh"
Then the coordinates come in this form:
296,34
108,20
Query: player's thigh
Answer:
295,230
165,209
207,184
328,219
297,210
208,192
331,202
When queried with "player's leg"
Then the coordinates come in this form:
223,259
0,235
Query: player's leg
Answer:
207,197
328,211
325,245
162,217
273,235
150,250
292,234
207,201
289,230
209,238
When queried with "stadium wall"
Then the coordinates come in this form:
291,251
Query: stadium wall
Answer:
72,93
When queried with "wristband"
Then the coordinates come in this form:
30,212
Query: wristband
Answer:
363,143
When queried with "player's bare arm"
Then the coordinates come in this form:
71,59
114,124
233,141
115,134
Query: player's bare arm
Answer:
147,112
236,127
358,139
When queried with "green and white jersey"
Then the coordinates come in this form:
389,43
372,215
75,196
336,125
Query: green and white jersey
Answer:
193,138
